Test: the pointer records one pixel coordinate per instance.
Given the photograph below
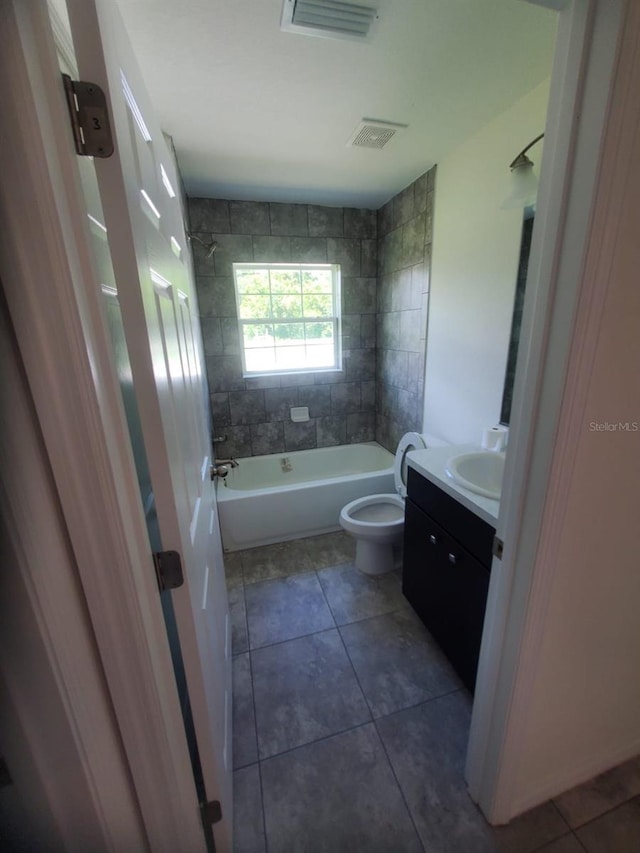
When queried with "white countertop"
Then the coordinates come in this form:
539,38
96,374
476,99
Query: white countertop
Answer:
431,463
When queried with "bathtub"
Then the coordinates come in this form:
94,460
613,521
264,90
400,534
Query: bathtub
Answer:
285,496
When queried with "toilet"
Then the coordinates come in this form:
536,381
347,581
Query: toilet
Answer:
377,521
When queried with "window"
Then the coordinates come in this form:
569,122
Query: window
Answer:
288,317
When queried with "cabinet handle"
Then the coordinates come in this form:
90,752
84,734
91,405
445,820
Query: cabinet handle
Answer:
453,559
433,540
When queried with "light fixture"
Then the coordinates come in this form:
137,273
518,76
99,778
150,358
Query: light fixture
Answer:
524,184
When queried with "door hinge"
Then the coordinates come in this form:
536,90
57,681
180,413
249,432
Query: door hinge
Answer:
211,812
89,118
168,567
498,547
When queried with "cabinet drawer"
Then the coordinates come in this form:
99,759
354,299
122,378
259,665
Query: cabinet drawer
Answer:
447,587
472,532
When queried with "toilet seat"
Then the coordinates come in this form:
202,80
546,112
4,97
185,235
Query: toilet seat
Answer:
376,521
409,441
375,511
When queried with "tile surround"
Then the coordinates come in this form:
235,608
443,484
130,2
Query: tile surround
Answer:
404,255
385,262
275,232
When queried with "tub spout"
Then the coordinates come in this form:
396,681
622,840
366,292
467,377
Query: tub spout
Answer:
234,463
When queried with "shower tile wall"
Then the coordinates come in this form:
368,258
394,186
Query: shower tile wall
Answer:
405,226
254,413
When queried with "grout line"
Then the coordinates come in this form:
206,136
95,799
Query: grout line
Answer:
264,817
255,735
292,639
402,608
582,847
591,820
355,672
397,781
317,740
562,817
246,624
326,598
461,689
253,702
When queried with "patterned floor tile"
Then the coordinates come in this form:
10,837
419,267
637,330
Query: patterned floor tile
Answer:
397,662
248,824
305,689
238,613
275,561
285,608
601,794
337,795
353,595
245,745
617,831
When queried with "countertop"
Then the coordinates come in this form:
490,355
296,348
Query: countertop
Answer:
432,462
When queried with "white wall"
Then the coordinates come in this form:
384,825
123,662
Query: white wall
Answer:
583,714
473,275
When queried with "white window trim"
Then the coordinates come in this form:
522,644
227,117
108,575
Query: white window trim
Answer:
336,317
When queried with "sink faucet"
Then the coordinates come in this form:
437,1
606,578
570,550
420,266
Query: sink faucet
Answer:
231,461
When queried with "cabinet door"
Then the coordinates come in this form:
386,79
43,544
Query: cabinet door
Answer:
447,588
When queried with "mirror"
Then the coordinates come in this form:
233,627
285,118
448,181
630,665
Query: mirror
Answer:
516,320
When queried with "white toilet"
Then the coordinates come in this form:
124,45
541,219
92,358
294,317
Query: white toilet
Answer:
377,521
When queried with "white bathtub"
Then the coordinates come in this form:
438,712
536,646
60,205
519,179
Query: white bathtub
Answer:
260,502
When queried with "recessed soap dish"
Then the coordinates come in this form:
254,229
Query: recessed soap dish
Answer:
299,414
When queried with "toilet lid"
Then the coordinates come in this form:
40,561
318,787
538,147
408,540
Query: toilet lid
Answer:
409,441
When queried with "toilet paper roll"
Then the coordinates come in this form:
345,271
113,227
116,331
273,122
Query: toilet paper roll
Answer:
494,438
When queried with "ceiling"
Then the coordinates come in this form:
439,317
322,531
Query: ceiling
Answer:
261,114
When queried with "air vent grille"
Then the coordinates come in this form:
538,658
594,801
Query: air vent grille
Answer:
374,134
329,18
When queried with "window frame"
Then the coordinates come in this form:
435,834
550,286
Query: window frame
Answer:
335,318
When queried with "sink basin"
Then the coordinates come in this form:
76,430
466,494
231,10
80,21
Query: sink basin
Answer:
480,472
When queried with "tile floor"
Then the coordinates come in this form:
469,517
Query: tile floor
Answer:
350,727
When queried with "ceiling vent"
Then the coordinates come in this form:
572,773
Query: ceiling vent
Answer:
371,133
329,19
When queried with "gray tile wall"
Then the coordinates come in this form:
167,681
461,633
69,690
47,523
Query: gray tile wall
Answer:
254,413
405,226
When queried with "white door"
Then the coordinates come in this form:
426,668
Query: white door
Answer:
139,194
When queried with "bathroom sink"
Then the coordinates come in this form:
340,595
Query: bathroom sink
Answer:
480,472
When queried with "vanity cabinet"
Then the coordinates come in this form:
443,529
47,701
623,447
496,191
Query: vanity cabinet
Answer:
447,563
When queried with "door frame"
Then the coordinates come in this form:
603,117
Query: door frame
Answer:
587,57
65,352
55,303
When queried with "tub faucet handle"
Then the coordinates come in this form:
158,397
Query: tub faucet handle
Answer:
233,463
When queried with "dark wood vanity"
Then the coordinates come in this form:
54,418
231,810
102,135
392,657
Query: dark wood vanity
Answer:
447,563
